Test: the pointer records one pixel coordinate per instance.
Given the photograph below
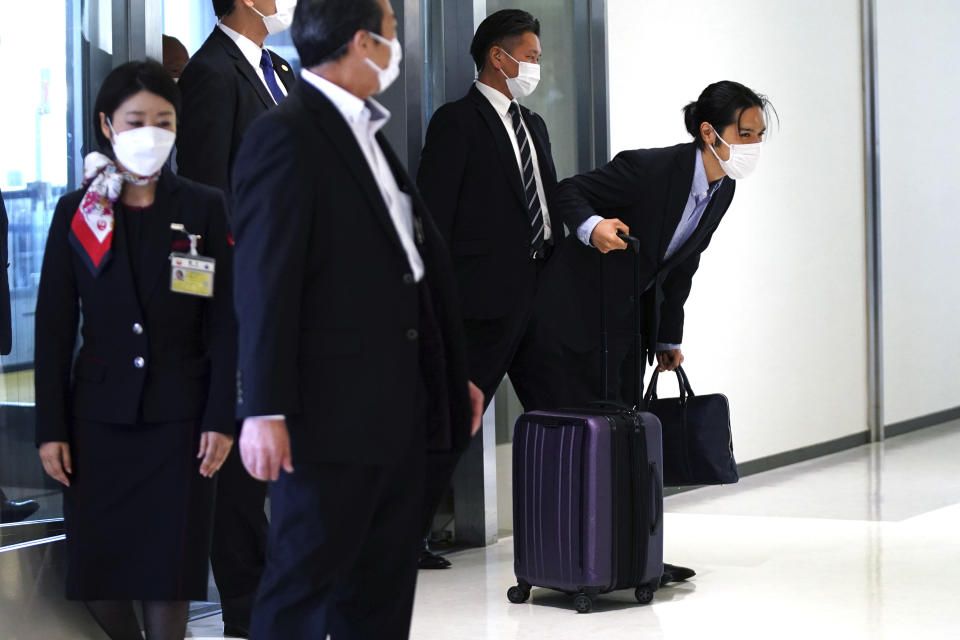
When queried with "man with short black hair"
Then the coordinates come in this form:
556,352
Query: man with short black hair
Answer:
229,82
351,356
488,177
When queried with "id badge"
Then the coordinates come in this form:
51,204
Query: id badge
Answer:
192,275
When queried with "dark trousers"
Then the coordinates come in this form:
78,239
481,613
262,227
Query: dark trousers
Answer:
342,558
239,546
516,346
581,373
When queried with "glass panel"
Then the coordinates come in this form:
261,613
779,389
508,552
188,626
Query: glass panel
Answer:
39,162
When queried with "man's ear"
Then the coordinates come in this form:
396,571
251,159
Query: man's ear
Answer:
360,42
707,134
493,58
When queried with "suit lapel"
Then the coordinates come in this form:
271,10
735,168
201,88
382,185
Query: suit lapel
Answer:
332,123
544,159
287,77
243,67
508,159
711,218
681,181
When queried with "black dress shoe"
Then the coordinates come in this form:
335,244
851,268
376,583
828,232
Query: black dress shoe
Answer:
429,560
11,511
673,573
231,631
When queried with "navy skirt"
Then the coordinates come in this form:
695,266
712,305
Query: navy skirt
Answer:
138,513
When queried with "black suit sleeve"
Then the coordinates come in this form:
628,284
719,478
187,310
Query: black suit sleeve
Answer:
57,319
676,290
206,126
221,325
617,184
271,222
442,165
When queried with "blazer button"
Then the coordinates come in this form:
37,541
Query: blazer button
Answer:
408,278
138,328
139,362
412,334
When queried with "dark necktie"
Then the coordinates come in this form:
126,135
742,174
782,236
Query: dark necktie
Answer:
534,207
266,63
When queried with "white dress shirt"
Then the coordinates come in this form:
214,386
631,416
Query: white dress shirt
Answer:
501,104
252,52
365,119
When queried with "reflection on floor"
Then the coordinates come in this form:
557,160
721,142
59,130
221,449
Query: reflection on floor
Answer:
858,545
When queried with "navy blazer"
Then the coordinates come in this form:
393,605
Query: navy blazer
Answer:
188,343
329,311
470,181
647,189
222,95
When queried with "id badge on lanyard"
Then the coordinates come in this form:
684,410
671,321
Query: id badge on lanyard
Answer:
190,273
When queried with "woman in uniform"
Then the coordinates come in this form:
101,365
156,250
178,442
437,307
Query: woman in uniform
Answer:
136,421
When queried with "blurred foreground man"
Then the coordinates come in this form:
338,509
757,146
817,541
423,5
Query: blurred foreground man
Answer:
351,353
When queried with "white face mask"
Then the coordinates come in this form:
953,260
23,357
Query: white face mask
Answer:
282,19
392,72
528,77
743,158
142,151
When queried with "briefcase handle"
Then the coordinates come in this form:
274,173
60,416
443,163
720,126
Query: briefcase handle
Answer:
682,380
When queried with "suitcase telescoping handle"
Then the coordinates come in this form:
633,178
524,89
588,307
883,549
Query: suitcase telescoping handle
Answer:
634,245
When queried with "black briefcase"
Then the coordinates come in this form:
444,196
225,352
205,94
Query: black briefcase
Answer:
697,441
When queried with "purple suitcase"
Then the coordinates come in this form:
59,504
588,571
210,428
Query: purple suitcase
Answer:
588,500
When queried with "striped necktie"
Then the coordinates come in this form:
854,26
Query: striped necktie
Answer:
534,207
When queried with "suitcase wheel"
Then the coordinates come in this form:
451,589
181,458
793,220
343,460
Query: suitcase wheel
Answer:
583,603
644,595
518,595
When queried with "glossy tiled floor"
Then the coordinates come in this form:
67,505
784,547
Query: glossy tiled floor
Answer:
862,544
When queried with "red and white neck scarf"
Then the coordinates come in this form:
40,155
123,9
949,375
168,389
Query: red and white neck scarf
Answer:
91,230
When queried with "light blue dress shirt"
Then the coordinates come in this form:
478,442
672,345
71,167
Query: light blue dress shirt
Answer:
701,192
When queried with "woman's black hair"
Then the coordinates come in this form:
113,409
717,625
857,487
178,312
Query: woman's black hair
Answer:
721,104
129,79
223,8
499,27
322,29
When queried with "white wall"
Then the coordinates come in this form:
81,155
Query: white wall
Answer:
918,54
777,315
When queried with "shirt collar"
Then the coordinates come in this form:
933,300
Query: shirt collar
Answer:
500,102
250,49
701,188
353,109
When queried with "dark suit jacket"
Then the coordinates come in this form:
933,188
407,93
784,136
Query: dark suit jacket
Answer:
471,183
222,95
188,342
6,332
329,311
648,190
